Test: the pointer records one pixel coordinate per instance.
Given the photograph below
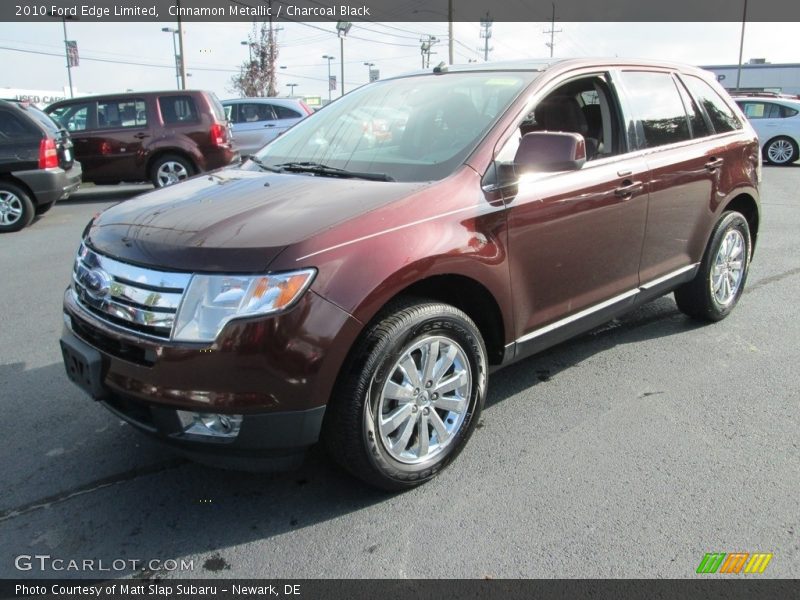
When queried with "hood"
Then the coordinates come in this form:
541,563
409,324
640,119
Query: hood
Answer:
233,220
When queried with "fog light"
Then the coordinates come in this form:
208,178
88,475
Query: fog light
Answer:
210,424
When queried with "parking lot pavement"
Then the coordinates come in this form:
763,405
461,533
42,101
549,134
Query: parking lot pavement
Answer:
628,452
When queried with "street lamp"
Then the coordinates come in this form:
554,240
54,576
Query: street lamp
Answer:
178,59
249,49
342,28
329,59
292,85
67,47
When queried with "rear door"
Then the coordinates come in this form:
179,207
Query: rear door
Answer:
287,116
683,172
79,120
254,124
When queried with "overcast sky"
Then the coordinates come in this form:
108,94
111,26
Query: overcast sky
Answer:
213,50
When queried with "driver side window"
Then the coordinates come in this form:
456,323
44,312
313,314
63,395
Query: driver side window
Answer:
585,106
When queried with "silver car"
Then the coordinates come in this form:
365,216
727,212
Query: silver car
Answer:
257,121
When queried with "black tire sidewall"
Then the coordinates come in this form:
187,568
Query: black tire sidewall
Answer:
729,220
467,336
28,208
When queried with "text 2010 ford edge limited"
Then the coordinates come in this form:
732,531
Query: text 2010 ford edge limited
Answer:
356,281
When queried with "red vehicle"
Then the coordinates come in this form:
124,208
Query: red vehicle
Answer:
362,291
162,137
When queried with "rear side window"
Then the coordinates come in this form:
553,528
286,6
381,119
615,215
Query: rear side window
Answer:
284,112
221,114
178,109
74,117
121,113
656,104
766,110
696,119
14,126
252,112
719,113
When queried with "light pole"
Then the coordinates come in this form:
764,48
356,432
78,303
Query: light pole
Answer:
329,59
292,85
369,66
174,33
67,48
342,27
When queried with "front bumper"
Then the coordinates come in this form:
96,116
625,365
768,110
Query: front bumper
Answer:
50,185
277,372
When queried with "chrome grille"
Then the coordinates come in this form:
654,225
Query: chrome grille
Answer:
134,298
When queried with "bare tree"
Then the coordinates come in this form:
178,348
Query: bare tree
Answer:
256,76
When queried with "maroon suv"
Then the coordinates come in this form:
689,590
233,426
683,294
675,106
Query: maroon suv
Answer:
162,137
360,289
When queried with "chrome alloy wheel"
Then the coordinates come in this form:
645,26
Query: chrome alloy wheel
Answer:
10,208
171,172
728,268
424,401
780,151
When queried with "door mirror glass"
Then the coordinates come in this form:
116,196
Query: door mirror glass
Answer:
549,152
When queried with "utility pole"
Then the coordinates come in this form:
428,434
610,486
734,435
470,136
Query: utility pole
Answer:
486,33
553,31
450,31
329,59
741,49
180,46
426,43
342,28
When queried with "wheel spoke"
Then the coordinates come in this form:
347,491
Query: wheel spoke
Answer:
400,444
445,364
451,383
449,403
398,392
423,436
441,431
396,418
409,369
429,362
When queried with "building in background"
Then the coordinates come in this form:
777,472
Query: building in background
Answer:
760,75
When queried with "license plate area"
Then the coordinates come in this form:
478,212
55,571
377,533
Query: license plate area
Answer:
84,366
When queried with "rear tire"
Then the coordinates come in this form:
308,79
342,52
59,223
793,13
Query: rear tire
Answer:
170,169
719,283
780,151
16,208
397,419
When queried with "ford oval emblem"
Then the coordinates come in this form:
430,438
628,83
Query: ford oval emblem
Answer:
97,283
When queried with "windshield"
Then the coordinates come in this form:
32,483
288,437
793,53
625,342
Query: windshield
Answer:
410,129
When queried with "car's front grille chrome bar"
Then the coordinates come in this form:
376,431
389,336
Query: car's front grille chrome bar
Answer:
141,300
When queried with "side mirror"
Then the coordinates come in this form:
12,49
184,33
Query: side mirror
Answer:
550,151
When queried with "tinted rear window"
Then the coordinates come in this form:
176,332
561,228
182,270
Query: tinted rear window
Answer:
721,115
43,118
656,103
15,126
284,112
217,108
178,109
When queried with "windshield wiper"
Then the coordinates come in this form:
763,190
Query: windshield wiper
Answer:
325,170
263,166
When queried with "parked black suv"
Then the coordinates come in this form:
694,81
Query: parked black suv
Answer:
36,164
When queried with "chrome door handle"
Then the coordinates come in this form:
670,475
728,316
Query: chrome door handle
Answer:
714,163
628,188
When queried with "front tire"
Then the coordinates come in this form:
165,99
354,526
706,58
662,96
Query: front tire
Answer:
16,208
781,151
409,395
719,283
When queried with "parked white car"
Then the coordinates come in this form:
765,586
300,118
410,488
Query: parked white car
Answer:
777,122
257,121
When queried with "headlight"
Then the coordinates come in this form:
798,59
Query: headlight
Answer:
211,301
